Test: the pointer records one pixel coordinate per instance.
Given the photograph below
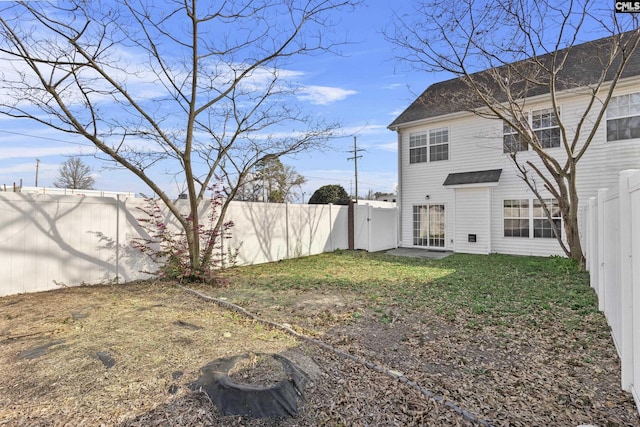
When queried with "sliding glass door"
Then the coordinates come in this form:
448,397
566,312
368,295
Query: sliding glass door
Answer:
428,226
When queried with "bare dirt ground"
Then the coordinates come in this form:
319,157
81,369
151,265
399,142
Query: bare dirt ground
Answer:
126,356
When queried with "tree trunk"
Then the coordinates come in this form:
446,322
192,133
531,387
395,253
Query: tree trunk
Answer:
571,220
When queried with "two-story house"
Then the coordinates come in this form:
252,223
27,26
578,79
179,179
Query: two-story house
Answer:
458,187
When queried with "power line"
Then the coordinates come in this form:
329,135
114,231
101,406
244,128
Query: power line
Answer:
47,138
340,180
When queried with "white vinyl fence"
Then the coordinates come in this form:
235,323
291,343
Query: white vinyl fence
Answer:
48,241
613,259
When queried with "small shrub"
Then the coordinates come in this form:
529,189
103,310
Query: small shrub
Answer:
169,249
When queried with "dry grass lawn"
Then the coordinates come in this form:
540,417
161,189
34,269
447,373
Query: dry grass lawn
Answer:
515,341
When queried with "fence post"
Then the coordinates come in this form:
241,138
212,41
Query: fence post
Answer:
588,236
601,285
369,226
397,228
351,221
286,228
117,238
331,227
626,290
592,242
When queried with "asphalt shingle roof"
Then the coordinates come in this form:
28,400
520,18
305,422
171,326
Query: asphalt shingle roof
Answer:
476,177
584,66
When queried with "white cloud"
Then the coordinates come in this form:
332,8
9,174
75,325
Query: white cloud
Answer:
19,168
391,147
324,95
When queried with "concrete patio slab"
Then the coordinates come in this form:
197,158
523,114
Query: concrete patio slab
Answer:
418,253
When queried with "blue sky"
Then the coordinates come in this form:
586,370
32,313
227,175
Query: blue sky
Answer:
364,88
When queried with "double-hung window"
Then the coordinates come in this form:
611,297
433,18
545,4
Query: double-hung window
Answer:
438,144
623,117
523,215
516,218
542,227
417,148
429,146
511,140
545,125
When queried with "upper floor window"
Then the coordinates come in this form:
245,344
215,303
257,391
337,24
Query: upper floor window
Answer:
511,140
438,144
623,117
545,125
432,146
417,147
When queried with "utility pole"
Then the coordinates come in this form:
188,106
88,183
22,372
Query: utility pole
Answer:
37,167
355,161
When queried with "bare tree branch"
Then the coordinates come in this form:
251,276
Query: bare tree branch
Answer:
195,87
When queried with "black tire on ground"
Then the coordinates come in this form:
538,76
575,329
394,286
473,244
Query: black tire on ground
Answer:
231,398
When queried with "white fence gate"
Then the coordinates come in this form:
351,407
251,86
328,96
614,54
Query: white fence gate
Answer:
47,241
613,259
375,228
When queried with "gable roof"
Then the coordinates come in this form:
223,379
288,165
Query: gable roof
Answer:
476,177
583,67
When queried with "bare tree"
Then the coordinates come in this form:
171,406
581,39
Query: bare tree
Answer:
272,181
198,89
504,54
75,174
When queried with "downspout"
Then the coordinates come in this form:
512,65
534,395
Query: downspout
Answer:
490,242
399,192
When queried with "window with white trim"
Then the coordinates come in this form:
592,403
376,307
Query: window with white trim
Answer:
429,146
438,144
623,117
542,227
545,125
516,218
511,140
418,147
523,215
